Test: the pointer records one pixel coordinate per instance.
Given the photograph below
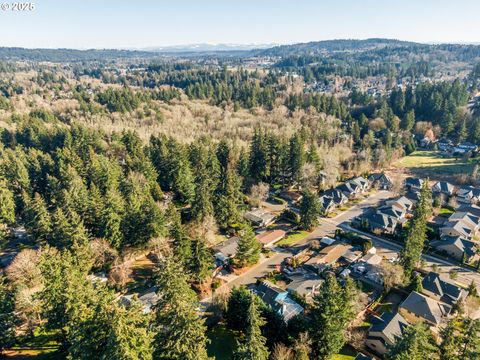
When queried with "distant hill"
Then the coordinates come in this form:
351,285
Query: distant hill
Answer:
317,47
69,55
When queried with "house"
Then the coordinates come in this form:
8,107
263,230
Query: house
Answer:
460,224
351,256
326,257
279,300
470,220
380,222
291,196
350,189
380,181
371,259
330,254
268,238
442,290
444,144
147,300
327,241
468,195
402,203
227,249
395,212
418,308
443,187
363,183
259,217
457,247
339,198
385,331
327,203
412,183
469,208
464,147
305,285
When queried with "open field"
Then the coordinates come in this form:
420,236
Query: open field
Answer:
434,165
433,161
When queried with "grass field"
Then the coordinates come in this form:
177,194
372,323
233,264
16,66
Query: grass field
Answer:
294,237
433,161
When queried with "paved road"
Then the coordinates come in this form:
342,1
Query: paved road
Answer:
385,248
325,228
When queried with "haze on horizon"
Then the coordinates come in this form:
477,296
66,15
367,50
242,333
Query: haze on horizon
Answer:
149,24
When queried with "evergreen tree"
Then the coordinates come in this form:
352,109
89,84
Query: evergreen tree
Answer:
130,337
249,248
416,344
182,244
416,236
7,315
201,262
331,313
181,333
310,210
470,341
450,345
112,217
38,220
7,209
408,121
258,157
237,306
297,156
253,346
68,230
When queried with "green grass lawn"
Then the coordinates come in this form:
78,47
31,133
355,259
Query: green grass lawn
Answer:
294,237
435,162
43,346
221,344
445,211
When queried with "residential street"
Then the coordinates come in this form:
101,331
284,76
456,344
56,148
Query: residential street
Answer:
384,247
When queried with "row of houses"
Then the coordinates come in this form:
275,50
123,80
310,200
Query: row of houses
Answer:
433,305
448,146
341,194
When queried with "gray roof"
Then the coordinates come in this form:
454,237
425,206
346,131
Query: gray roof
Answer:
392,325
443,187
228,248
414,182
463,245
425,307
447,291
304,285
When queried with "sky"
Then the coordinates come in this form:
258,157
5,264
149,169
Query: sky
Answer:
85,24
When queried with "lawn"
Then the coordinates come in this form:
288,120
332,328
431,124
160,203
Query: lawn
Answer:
294,237
221,343
435,162
43,346
445,211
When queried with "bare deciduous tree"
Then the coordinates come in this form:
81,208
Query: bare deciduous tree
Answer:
121,273
393,275
281,352
206,230
24,268
258,193
102,252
